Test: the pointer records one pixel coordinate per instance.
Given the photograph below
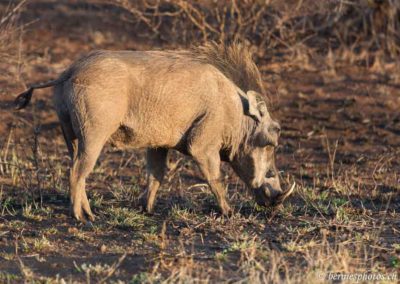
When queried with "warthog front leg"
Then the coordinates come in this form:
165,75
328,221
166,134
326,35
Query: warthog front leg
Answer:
210,167
156,165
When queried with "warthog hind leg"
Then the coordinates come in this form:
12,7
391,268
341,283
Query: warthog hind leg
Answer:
83,164
156,166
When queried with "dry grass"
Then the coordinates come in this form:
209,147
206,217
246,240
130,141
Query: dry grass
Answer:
352,28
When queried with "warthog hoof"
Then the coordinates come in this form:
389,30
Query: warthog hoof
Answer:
226,210
144,205
81,211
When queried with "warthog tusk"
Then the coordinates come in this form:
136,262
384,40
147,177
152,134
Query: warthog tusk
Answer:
286,194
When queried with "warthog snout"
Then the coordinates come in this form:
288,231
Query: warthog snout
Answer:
271,193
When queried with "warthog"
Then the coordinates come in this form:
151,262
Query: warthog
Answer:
204,102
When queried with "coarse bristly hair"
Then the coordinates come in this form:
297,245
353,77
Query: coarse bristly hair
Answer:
234,61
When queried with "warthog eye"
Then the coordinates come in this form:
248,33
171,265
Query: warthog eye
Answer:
270,174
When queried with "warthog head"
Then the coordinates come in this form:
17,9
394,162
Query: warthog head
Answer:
255,161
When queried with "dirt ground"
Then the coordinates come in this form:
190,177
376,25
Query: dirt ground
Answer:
340,142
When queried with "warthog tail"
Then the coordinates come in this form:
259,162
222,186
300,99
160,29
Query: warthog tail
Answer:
24,98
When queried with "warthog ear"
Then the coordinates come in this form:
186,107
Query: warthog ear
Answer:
262,107
250,106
